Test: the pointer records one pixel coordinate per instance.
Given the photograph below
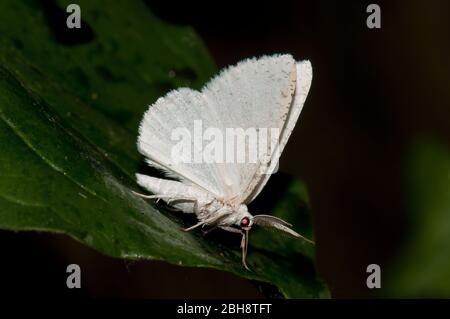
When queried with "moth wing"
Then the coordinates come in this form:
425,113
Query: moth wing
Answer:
254,94
168,126
303,84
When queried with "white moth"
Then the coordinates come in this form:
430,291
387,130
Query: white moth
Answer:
268,92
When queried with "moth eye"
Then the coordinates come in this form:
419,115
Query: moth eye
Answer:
245,222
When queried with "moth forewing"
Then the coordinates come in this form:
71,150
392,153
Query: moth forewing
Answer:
302,86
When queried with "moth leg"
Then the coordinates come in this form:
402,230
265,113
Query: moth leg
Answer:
208,221
232,229
139,194
173,209
151,196
183,198
170,197
157,197
189,199
244,246
195,226
244,242
205,232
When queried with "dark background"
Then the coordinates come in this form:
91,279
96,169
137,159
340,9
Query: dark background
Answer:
374,91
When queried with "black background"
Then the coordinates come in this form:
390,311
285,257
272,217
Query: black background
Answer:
373,93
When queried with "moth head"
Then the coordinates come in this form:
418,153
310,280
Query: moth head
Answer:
245,222
244,219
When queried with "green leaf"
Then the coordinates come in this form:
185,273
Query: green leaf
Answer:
423,264
70,103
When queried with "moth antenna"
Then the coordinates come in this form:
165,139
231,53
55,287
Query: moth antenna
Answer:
270,218
195,226
244,246
292,232
277,223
